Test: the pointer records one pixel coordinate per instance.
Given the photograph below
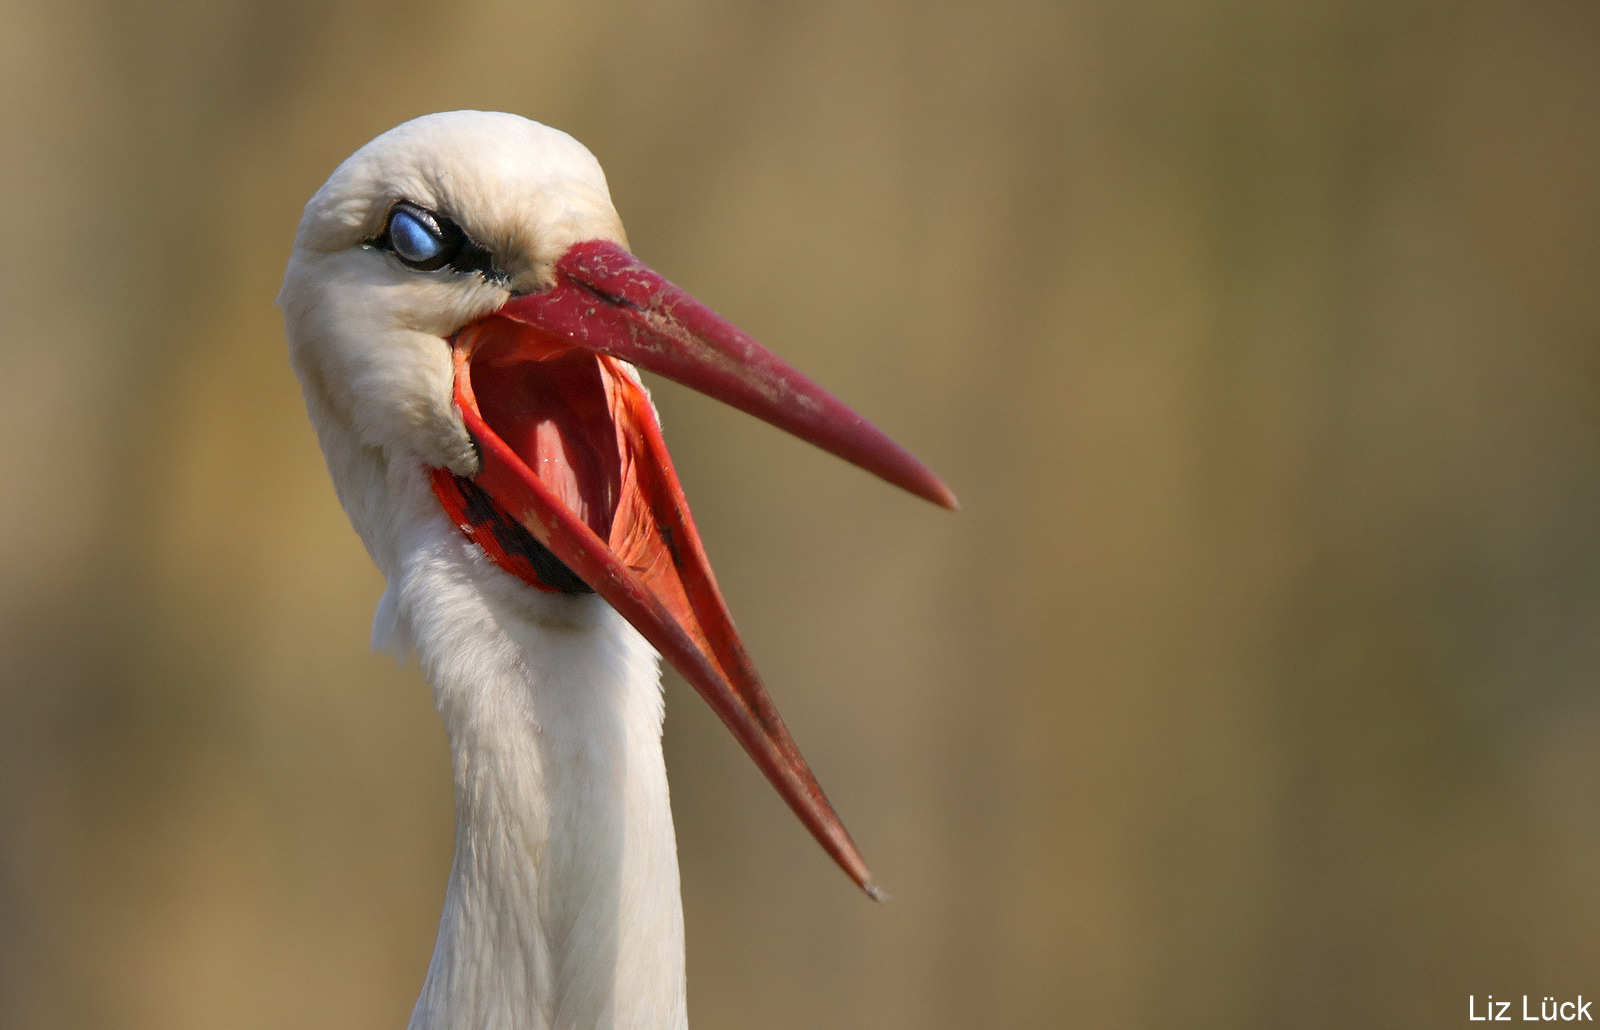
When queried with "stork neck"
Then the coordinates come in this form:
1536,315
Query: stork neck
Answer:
563,907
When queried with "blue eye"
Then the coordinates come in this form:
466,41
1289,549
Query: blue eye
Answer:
426,241
421,238
415,241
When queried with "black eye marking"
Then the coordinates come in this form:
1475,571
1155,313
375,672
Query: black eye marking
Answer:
427,241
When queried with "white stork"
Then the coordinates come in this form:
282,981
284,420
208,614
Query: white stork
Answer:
464,318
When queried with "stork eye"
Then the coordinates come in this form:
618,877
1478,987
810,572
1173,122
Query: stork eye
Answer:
420,238
426,241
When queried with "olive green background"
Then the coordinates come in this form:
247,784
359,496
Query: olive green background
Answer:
1253,686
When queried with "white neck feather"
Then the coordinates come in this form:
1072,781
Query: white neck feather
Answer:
563,909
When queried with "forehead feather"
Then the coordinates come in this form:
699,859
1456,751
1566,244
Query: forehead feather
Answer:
509,182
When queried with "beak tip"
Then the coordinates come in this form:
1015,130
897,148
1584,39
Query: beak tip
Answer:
930,488
875,892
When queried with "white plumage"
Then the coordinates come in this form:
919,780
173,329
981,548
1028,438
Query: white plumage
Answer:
552,703
563,906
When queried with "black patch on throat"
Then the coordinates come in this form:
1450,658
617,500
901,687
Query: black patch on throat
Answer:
516,541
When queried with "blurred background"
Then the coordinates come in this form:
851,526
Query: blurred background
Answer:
1253,686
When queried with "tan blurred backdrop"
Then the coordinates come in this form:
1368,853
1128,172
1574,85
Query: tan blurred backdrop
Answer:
1254,686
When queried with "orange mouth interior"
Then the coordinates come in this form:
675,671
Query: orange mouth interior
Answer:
583,426
558,416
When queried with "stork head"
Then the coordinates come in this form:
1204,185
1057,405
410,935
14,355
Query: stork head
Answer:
461,300
430,226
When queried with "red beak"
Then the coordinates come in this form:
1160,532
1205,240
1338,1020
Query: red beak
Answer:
573,457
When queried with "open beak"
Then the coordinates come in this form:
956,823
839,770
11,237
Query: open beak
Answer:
572,456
